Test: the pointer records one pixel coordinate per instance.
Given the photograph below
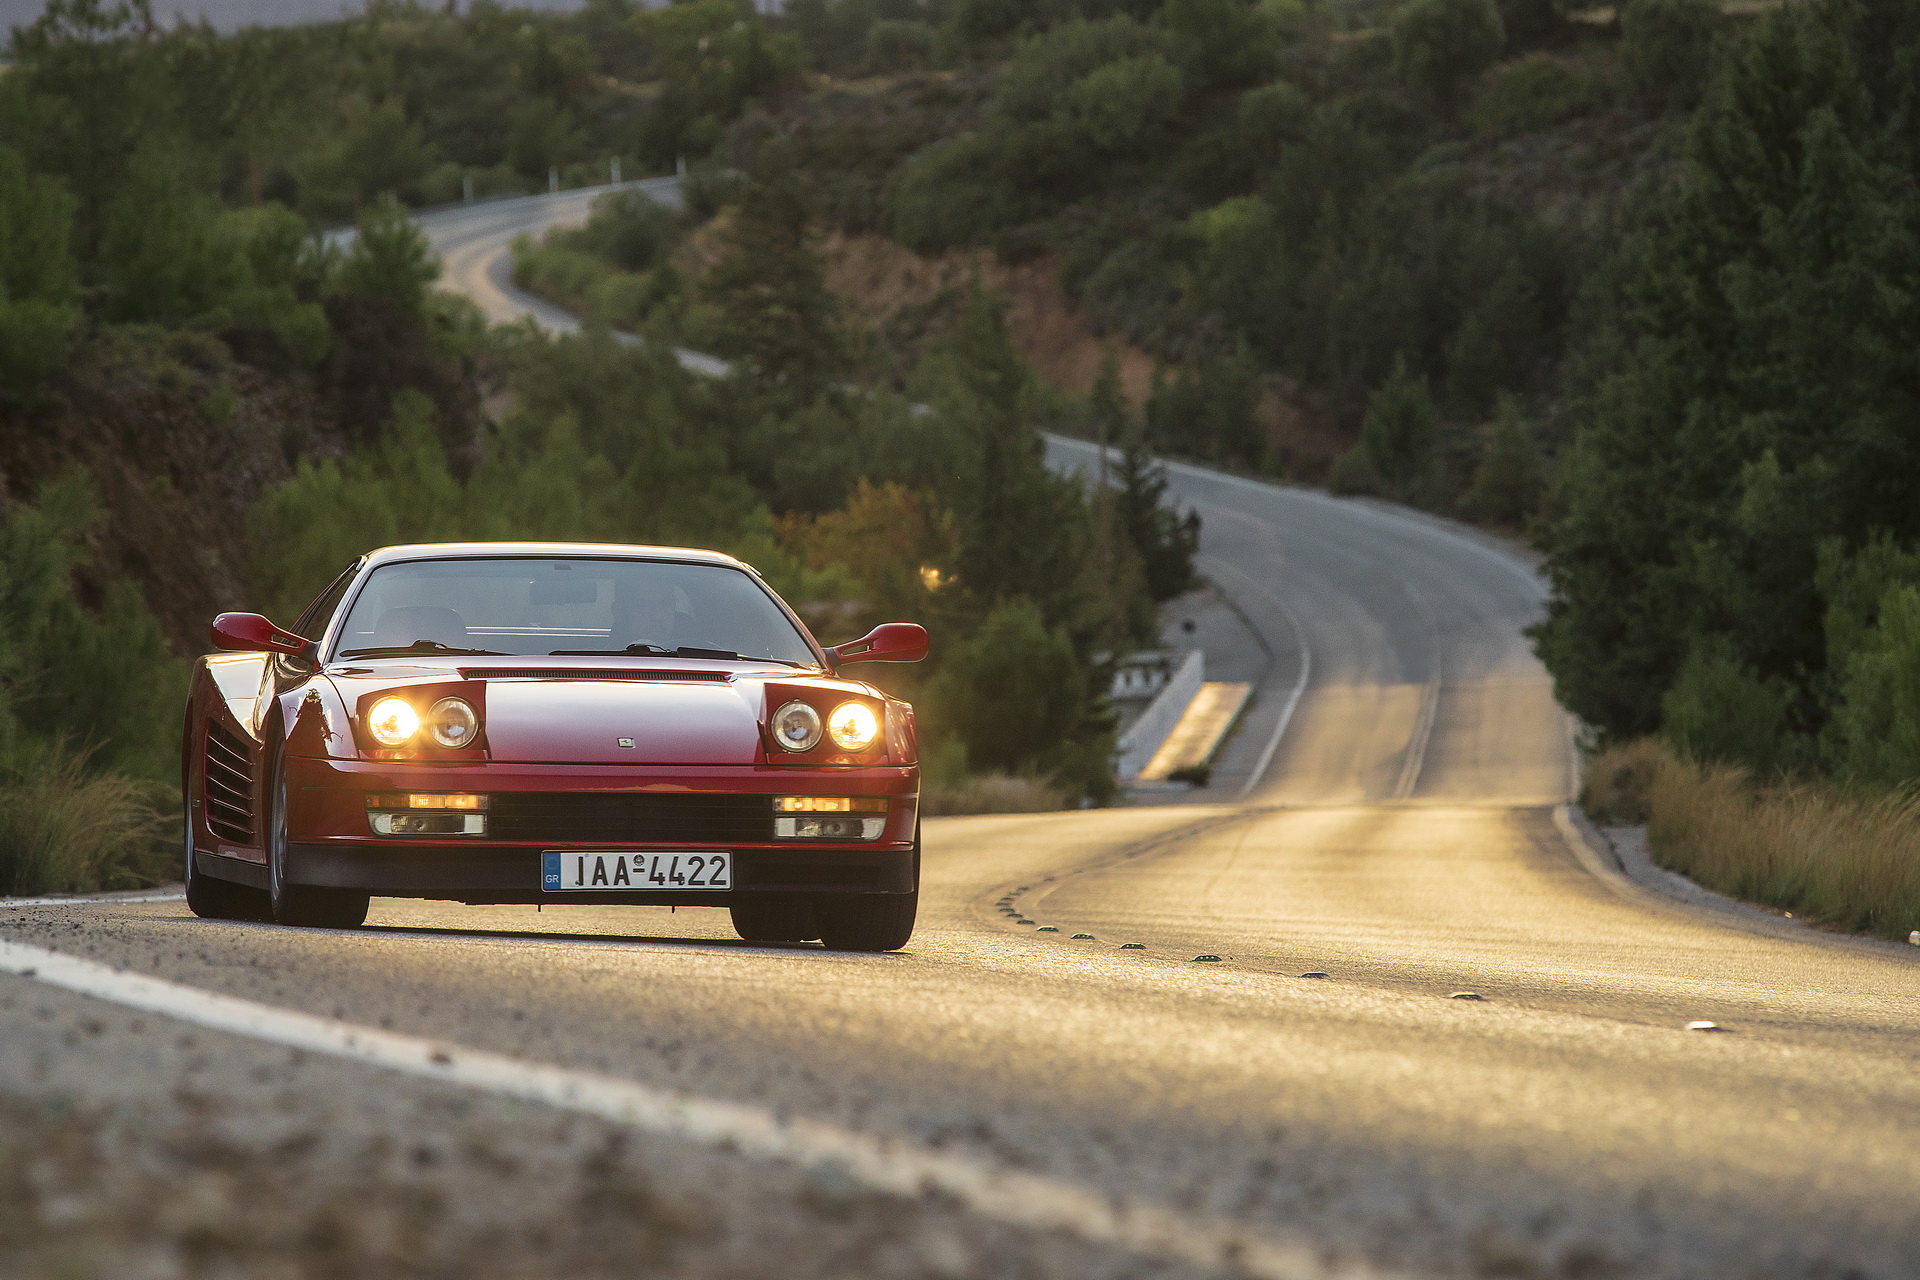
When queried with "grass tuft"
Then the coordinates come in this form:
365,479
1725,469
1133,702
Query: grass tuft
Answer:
64,829
1843,855
1618,787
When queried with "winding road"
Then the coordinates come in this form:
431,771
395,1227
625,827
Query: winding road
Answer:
1444,1034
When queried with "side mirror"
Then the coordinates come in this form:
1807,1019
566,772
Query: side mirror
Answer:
251,633
888,642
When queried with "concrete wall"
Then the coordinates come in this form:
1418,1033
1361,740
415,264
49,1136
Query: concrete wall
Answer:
1140,741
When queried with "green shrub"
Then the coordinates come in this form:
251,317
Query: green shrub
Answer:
954,193
1012,691
1439,45
1667,48
37,281
899,44
1527,95
629,229
1354,475
1401,429
1124,103
1720,711
390,259
1876,726
1509,479
66,829
1274,114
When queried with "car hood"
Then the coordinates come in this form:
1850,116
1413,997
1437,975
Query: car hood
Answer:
588,721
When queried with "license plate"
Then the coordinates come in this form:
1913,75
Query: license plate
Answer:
571,871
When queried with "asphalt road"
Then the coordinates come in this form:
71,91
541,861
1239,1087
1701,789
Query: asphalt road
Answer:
1385,817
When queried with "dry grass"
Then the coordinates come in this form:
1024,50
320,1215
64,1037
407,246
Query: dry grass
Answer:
1619,783
1842,855
64,829
990,793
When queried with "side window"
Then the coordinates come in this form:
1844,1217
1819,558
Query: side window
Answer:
314,620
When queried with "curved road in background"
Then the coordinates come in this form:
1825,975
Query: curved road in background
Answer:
1381,837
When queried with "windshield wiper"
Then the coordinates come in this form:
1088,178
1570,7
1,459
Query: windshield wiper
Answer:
648,650
684,651
418,647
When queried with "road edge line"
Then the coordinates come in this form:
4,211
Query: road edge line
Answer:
1010,1196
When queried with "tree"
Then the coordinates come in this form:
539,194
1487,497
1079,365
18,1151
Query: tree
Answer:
1401,429
1758,401
1164,542
1013,691
37,279
390,260
775,316
1508,481
1667,48
1441,44
1222,44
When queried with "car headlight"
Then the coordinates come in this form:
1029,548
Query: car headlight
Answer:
393,722
453,722
853,726
796,726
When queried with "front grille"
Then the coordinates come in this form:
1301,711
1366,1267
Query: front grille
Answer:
229,784
588,673
629,817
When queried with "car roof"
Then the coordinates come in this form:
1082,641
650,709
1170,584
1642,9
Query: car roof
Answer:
481,550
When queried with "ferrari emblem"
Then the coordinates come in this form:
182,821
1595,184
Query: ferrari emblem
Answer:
625,742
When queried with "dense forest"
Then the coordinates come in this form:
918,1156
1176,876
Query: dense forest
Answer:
1634,282
207,406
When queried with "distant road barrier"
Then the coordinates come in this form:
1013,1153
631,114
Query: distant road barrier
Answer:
1144,736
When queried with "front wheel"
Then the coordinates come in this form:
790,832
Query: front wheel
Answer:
775,921
868,922
302,904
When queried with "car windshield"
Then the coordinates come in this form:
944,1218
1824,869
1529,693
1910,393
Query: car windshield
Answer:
526,606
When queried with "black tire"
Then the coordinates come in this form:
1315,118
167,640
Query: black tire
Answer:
775,920
212,898
868,922
872,922
302,904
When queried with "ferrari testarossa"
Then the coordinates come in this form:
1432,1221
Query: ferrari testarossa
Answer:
548,723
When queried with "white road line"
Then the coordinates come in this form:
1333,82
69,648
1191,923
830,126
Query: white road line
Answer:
1416,757
1299,684
989,1189
107,898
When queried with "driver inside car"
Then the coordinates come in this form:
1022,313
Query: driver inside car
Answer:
647,612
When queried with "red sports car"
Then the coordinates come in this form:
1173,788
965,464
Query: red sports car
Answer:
553,722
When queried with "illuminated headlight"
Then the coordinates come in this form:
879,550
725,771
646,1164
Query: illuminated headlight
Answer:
429,814
796,727
453,722
393,722
829,817
853,726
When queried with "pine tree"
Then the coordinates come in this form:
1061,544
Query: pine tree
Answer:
1401,428
1164,542
1507,483
777,319
1762,404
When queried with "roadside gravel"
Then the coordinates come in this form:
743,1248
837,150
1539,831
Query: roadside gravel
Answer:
137,1148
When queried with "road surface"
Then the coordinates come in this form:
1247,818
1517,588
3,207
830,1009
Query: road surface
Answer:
1021,1092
